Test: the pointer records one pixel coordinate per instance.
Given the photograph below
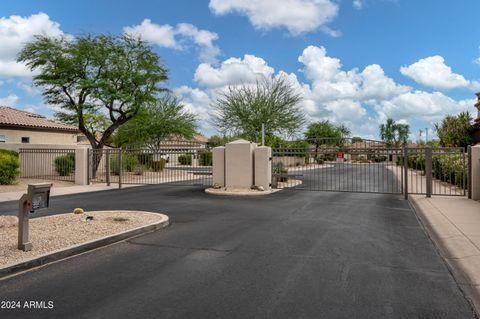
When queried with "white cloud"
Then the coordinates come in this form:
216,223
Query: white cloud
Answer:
342,110
433,72
297,16
178,37
422,105
359,99
10,100
233,71
15,31
330,82
28,88
197,102
161,35
203,38
358,4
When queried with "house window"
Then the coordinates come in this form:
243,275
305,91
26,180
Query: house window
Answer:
25,139
2,139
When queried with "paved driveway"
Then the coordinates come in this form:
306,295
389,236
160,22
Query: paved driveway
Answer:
290,255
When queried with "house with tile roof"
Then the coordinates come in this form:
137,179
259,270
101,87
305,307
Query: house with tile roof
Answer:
21,127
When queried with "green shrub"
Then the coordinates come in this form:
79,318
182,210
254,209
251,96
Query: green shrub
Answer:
377,158
320,161
129,163
115,165
145,159
205,158
328,157
140,169
185,159
158,166
9,168
447,168
9,152
279,168
65,164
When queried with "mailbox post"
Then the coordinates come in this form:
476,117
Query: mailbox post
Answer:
37,197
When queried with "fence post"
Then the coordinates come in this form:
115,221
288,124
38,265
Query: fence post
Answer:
405,172
107,166
428,170
120,172
469,171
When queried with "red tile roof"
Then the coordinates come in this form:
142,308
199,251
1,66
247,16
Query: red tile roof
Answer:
10,117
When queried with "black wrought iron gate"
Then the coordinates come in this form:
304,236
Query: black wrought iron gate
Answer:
346,165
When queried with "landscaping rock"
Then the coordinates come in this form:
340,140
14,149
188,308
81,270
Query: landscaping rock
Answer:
8,221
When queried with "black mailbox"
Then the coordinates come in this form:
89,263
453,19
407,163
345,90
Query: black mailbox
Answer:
39,194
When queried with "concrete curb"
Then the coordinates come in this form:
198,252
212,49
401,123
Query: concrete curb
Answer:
223,192
81,248
470,291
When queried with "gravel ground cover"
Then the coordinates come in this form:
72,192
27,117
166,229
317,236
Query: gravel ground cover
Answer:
22,184
52,233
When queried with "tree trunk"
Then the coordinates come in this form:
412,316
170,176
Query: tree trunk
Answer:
97,154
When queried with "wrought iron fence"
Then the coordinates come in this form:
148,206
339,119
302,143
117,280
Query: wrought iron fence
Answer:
180,164
438,171
50,164
369,166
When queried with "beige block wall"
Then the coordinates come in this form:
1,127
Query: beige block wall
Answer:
239,164
38,137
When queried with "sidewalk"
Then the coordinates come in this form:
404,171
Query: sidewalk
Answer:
454,225
58,191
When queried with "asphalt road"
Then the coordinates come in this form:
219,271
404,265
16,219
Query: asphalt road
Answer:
292,254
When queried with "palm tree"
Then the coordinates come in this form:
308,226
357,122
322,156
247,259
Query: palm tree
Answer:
393,133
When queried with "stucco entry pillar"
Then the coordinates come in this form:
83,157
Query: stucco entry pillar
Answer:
476,172
218,162
239,164
81,166
263,167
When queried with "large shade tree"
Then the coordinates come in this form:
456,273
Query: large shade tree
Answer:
455,130
97,82
156,122
241,110
394,133
326,133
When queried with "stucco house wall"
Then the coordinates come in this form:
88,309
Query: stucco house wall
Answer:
14,136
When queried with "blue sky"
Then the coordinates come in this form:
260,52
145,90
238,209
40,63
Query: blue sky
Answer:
355,62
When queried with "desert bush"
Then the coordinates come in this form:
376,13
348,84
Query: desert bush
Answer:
65,164
158,166
279,168
9,168
377,158
205,158
129,163
447,168
9,152
185,159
